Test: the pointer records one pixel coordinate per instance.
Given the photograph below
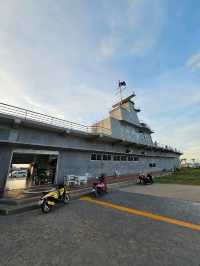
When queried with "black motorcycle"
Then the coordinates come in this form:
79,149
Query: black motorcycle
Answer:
145,179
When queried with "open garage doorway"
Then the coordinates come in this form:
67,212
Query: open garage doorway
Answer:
30,168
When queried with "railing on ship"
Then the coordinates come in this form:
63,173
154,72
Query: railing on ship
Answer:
165,147
49,120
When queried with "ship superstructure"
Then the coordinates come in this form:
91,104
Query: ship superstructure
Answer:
121,144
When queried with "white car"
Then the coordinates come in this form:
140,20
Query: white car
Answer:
18,173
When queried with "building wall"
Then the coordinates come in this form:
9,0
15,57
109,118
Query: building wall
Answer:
130,116
133,134
75,151
125,112
39,137
79,163
54,140
128,132
103,126
116,113
123,123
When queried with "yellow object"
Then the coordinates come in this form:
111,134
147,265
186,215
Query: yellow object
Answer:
144,214
51,203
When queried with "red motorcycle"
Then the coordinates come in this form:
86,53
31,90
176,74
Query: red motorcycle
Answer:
145,179
99,188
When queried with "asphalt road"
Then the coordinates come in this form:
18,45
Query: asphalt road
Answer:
85,233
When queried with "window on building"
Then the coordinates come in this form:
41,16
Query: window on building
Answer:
123,158
98,157
116,157
152,165
136,159
109,157
93,157
130,158
105,157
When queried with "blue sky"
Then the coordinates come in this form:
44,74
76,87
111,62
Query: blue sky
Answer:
65,58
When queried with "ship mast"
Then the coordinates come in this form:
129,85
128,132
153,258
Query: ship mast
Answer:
121,87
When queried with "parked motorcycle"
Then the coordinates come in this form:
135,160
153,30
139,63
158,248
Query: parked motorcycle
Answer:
99,188
56,195
145,179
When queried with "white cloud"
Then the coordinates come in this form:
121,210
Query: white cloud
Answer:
194,61
11,90
133,27
185,137
172,110
52,53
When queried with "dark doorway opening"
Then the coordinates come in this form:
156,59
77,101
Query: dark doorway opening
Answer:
27,170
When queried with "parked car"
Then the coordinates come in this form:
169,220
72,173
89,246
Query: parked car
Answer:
18,173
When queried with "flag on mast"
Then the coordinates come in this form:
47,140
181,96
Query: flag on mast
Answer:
121,87
122,83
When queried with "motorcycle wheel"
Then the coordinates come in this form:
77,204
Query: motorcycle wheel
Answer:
46,208
66,198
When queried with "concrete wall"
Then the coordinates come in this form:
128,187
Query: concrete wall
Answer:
123,130
124,122
116,113
39,137
5,159
79,163
126,112
130,116
103,126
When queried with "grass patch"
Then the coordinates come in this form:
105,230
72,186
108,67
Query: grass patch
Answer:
186,176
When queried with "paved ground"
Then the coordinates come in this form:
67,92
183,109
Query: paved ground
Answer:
85,233
185,192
